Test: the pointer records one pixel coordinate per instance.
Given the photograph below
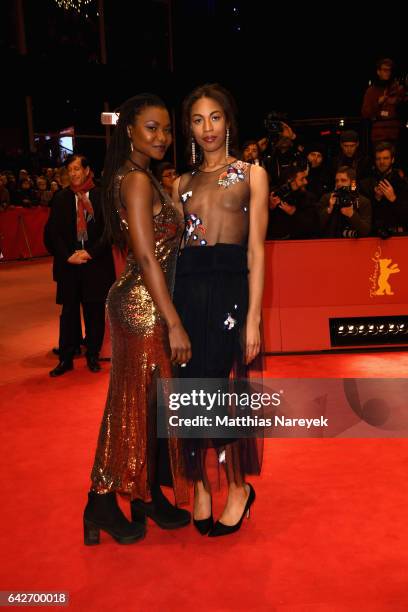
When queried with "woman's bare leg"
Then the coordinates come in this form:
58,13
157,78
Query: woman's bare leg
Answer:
238,491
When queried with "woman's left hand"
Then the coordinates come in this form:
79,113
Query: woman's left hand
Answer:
252,341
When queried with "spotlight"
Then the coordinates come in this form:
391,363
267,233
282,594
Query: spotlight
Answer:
365,331
372,330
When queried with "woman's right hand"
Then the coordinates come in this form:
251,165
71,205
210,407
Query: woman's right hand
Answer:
179,344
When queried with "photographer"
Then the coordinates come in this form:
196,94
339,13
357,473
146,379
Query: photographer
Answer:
344,213
281,149
388,193
292,209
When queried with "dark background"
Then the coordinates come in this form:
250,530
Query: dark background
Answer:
308,62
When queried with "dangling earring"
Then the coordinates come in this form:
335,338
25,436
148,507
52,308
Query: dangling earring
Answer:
227,140
130,140
193,151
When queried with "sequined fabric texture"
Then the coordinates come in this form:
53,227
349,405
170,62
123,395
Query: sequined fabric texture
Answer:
140,355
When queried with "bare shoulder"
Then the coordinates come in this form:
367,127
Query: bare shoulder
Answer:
136,177
176,184
136,183
180,183
175,190
258,174
187,175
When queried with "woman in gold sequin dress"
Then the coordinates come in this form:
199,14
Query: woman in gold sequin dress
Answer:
147,334
219,286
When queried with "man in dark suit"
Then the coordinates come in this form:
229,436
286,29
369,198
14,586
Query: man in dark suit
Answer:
83,264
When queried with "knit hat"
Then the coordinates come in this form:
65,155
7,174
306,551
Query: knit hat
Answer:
349,136
315,147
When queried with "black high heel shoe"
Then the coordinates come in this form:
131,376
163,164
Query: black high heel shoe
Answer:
204,525
220,529
160,510
103,513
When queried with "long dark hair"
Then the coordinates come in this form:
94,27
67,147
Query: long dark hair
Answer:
225,100
118,152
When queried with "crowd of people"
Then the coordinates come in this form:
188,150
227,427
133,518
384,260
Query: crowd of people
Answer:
347,198
308,184
30,189
350,193
308,191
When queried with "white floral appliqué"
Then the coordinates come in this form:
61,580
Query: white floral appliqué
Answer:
229,322
185,196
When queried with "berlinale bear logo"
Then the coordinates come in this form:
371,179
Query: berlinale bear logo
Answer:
379,279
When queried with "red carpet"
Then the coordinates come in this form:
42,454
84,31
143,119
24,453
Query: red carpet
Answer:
328,531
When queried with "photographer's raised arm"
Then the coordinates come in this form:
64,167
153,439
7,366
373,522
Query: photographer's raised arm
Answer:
325,209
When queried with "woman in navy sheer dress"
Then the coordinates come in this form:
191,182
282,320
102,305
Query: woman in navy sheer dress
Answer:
219,285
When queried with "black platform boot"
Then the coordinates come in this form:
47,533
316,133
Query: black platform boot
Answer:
102,512
160,510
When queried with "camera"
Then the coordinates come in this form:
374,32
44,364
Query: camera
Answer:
283,192
345,196
273,124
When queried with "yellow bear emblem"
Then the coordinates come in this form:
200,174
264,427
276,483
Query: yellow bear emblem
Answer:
384,287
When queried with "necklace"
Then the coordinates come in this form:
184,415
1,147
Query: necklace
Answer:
138,166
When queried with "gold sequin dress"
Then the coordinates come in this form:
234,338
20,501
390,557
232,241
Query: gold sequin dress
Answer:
126,452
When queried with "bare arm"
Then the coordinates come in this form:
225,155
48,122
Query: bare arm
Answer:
256,259
176,197
137,194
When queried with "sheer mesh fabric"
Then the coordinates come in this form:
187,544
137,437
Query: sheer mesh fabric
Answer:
211,284
216,205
